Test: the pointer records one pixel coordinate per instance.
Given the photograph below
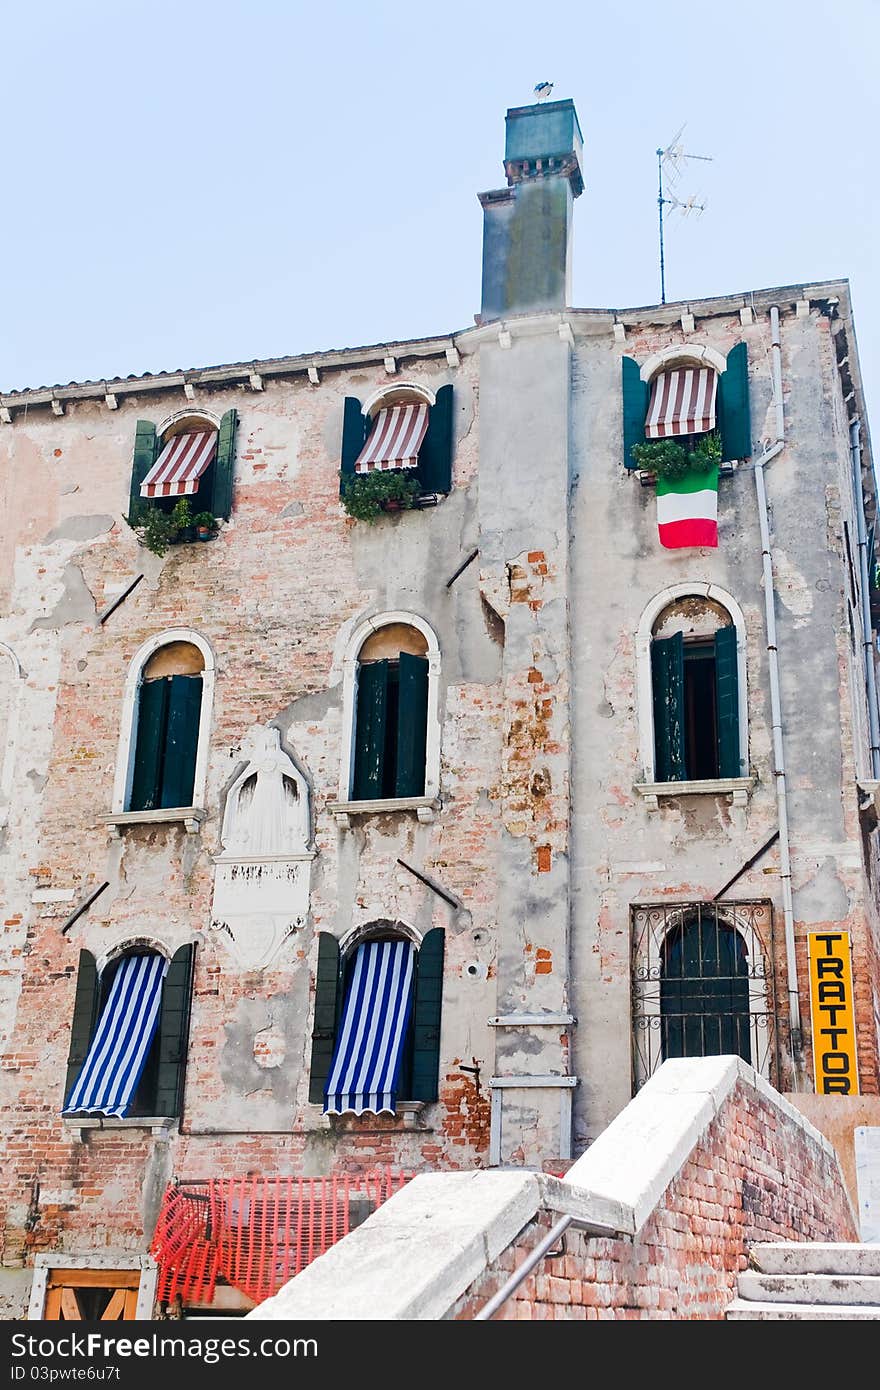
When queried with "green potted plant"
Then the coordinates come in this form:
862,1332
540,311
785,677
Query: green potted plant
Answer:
205,524
157,529
365,495
670,459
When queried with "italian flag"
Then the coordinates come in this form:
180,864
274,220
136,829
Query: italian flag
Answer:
687,509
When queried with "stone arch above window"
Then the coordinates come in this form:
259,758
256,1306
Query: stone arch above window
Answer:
692,694
162,759
688,354
391,725
398,394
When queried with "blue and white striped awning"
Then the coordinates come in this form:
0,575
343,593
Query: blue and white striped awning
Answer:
117,1052
369,1044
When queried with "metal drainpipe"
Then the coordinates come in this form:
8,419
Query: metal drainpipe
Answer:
867,635
794,1004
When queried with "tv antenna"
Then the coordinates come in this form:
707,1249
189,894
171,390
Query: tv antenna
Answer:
672,158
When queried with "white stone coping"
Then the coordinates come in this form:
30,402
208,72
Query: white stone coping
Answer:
424,1247
158,1124
740,787
424,807
190,816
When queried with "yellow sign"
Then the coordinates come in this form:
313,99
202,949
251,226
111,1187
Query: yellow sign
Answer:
834,1030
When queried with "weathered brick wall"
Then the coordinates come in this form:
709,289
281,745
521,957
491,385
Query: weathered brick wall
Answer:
751,1178
276,595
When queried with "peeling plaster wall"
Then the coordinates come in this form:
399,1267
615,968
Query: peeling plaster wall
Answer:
274,595
623,853
542,843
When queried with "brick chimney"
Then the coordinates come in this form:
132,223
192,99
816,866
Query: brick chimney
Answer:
527,226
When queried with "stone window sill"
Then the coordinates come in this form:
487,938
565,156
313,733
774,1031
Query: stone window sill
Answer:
424,807
190,816
161,1125
407,1115
738,787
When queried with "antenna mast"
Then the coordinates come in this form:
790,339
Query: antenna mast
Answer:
673,155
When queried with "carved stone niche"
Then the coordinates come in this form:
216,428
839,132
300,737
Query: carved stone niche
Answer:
261,876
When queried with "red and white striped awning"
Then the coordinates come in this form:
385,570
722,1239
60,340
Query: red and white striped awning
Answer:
181,463
395,439
682,402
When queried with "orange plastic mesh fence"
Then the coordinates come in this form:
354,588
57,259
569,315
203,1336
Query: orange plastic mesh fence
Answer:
256,1232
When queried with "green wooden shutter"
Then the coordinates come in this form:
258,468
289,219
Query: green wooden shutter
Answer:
667,672
224,466
435,455
85,1005
426,1016
412,726
142,461
173,1032
635,408
734,416
727,694
327,1002
354,436
369,742
182,740
149,753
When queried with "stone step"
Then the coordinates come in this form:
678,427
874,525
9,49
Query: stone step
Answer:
788,1257
810,1288
752,1310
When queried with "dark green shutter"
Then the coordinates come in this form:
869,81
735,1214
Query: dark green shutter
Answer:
142,461
327,1000
182,740
146,782
412,725
667,673
85,1005
727,694
635,408
435,455
354,436
426,1016
173,1032
734,416
224,466
369,743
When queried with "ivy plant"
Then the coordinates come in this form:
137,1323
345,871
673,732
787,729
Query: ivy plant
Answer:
365,495
670,459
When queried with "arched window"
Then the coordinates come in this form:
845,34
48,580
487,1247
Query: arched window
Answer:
704,990
692,696
129,1034
163,751
403,427
390,692
685,392
376,1036
190,455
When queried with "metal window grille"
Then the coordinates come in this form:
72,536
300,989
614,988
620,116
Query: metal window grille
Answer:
704,984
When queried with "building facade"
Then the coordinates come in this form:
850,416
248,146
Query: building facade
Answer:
335,842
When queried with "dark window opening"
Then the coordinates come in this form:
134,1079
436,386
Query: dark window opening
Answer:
700,711
389,761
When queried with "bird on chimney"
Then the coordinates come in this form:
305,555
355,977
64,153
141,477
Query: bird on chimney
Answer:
543,90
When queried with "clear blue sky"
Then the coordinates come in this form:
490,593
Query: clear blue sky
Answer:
194,183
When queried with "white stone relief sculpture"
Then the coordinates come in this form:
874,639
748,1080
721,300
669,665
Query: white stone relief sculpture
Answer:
261,876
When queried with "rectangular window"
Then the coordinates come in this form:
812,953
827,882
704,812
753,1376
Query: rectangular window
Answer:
169,712
696,707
